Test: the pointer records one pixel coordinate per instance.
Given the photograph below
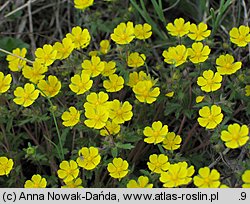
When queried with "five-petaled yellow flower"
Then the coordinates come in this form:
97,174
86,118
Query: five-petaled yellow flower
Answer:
63,49
156,134
114,83
4,82
207,178
36,182
179,28
145,92
226,65
83,4
240,36
68,170
135,77
109,68
210,117
25,96
142,182
143,32
171,141
111,128
15,62
118,168
95,100
136,60
198,33
175,55
158,163
46,55
209,81
80,83
246,179
80,38
120,112
34,73
235,136
51,87
123,33
96,117
6,166
198,53
93,67
177,174
71,118
88,158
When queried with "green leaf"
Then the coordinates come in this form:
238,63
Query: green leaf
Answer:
114,152
124,146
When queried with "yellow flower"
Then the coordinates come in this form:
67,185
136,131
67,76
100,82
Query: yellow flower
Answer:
63,49
46,55
235,136
4,82
226,65
71,118
134,78
145,92
80,83
93,53
198,53
209,81
26,96
88,158
96,117
143,32
118,168
120,112
199,99
114,84
179,28
51,87
210,117
136,60
95,100
158,163
156,134
142,182
199,32
15,63
170,94
6,165
246,179
123,33
104,46
175,55
34,73
207,178
109,68
177,174
68,170
73,184
171,141
240,36
247,90
94,66
83,4
111,128
80,38
36,182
